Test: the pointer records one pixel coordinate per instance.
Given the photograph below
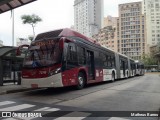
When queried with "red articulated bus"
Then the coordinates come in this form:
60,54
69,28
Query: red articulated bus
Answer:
64,57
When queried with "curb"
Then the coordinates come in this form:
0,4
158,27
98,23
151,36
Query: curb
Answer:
152,72
15,91
3,92
18,90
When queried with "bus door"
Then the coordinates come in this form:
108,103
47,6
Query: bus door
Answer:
132,68
90,64
123,64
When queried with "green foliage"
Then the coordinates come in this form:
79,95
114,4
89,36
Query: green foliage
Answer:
31,19
149,60
30,38
158,45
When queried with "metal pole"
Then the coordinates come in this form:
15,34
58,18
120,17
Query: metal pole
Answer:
1,73
12,27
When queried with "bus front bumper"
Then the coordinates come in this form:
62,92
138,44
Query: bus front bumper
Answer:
52,81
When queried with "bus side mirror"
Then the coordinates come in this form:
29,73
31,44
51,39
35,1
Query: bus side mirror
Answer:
21,49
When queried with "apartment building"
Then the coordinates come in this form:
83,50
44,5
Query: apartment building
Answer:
131,30
151,8
107,37
88,16
110,21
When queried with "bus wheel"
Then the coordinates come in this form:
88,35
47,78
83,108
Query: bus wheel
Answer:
81,81
113,77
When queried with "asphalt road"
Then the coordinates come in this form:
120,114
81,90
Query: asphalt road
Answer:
136,94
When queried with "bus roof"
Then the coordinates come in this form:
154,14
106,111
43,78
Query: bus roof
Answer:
66,32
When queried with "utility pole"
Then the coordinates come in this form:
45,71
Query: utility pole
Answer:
12,27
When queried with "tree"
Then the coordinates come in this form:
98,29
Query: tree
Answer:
149,60
31,37
158,46
32,20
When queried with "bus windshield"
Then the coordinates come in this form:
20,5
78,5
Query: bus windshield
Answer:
43,53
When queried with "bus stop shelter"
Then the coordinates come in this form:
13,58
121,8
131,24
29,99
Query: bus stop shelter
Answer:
10,65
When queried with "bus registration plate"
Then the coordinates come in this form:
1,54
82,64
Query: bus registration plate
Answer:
34,85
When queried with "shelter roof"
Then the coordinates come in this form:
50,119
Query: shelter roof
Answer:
6,5
6,49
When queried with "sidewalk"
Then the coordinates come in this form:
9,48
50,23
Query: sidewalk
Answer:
12,88
152,73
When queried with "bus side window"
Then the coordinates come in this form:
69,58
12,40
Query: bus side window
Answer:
81,55
65,51
72,54
109,61
113,61
126,65
102,59
122,64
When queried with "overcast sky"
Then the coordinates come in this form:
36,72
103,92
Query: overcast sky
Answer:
54,13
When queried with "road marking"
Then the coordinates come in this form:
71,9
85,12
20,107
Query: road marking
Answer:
117,118
10,119
52,109
47,109
42,109
6,103
69,116
17,107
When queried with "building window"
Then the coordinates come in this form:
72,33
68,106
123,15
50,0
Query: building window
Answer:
157,5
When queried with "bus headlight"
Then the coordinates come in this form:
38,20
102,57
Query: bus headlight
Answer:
58,70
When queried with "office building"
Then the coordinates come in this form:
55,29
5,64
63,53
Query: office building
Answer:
151,8
88,16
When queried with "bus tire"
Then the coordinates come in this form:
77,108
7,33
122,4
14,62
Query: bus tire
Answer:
113,77
81,81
